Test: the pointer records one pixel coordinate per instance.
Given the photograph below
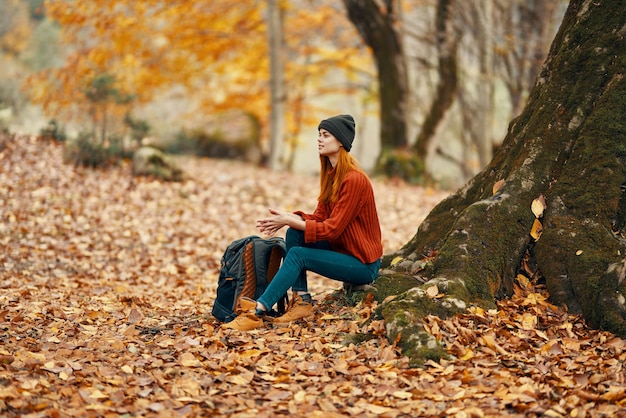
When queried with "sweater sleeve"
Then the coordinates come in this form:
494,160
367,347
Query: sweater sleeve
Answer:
339,214
321,213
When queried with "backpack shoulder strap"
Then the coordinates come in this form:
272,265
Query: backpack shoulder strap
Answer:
277,254
247,286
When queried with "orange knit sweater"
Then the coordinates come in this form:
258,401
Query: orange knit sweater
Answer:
351,224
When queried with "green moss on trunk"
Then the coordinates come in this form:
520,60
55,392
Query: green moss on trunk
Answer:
393,284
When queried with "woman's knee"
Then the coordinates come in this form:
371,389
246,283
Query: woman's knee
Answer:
294,237
295,254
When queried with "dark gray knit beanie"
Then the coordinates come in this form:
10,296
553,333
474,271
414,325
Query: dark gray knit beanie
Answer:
342,127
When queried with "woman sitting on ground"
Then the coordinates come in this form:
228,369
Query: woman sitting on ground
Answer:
340,240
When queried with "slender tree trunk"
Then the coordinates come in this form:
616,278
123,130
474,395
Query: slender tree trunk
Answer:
103,127
277,85
526,28
482,136
377,28
448,78
568,147
476,97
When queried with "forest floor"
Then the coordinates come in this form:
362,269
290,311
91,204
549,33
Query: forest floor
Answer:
108,282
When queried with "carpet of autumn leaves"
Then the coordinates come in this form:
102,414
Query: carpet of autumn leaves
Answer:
108,281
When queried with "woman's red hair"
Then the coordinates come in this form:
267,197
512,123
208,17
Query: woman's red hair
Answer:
329,184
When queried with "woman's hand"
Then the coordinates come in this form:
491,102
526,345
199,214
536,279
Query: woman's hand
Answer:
277,219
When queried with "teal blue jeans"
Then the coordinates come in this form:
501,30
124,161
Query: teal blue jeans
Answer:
318,258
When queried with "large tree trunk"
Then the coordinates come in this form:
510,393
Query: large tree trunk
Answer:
569,145
377,28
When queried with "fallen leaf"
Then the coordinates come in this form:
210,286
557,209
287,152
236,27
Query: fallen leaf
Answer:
432,291
277,395
536,230
135,316
497,186
389,298
377,409
396,260
528,321
239,379
189,360
524,282
538,206
402,394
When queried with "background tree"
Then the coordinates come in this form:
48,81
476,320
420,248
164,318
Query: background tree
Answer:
103,96
567,149
524,32
463,56
510,41
377,25
15,31
277,83
478,124
15,27
446,45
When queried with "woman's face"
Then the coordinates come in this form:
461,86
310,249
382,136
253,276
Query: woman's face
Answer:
327,144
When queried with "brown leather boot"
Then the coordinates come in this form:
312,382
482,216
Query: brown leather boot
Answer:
298,308
247,318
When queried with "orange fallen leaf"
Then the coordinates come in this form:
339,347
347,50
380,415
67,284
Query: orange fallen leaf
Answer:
189,360
524,282
277,395
135,316
528,321
536,230
497,186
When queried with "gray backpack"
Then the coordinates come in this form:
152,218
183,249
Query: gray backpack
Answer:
247,267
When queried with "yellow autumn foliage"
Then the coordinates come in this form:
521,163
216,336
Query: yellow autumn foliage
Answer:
216,50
